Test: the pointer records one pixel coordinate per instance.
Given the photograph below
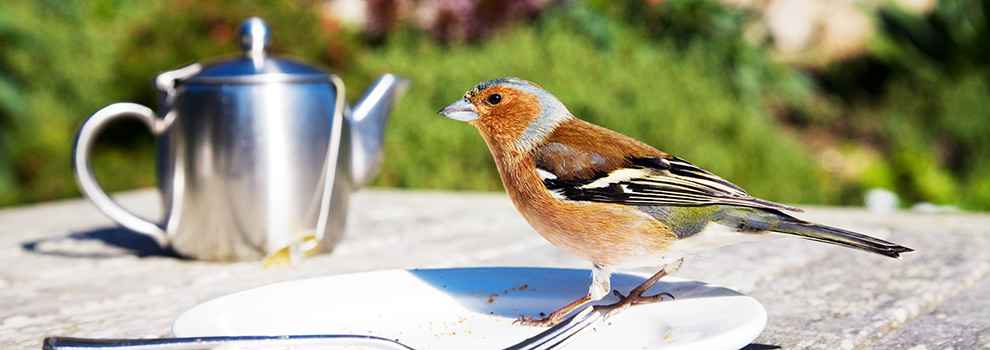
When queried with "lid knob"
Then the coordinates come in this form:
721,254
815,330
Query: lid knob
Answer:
254,39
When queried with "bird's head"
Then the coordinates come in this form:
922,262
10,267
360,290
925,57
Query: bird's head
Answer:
509,112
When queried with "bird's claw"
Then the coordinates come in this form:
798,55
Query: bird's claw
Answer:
635,297
654,298
548,321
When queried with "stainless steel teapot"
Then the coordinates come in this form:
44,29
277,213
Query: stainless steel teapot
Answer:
254,153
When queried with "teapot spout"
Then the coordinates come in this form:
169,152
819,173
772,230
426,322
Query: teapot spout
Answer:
367,124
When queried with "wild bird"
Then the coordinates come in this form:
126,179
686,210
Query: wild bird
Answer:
616,201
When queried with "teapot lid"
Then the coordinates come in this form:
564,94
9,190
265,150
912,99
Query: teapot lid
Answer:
255,66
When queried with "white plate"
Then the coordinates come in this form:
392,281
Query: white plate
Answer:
473,308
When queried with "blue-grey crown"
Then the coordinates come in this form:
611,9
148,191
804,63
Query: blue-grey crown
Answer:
511,81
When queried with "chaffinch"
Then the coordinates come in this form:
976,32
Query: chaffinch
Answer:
614,200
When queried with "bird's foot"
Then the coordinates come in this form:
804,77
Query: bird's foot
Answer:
554,317
548,321
634,298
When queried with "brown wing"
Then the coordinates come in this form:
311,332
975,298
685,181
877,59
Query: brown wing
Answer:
575,163
574,151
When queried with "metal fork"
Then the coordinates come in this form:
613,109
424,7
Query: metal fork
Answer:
562,333
552,338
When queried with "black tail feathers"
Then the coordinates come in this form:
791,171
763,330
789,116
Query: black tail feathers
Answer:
838,236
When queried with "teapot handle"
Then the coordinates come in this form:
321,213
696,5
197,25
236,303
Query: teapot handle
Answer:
84,173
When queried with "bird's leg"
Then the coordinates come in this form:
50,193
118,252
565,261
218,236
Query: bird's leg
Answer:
636,296
600,286
556,316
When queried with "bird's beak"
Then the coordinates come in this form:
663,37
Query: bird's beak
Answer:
460,110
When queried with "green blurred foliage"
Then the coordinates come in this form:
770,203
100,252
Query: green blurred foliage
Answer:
920,96
667,94
909,115
55,63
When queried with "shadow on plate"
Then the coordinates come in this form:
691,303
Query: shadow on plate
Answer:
103,243
535,290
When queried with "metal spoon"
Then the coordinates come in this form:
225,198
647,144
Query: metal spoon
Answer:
552,338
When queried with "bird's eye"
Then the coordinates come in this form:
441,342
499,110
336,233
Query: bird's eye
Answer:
494,99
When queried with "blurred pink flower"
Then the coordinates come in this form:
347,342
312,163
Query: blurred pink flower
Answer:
461,20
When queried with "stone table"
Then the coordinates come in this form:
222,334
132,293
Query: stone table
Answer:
65,269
